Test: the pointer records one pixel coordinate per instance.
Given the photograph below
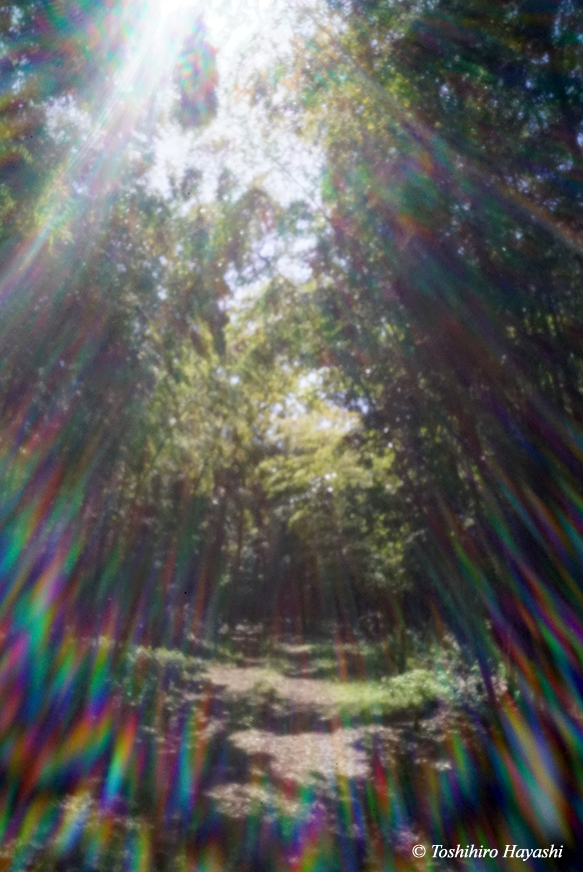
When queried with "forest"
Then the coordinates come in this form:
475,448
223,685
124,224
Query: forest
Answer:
291,435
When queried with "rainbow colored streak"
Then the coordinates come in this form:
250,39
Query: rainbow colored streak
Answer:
93,760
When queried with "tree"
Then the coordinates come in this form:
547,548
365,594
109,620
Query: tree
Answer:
88,256
447,272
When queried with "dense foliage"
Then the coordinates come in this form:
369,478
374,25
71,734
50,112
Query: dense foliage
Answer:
350,436
448,270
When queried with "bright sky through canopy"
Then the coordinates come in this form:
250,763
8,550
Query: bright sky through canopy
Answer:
248,36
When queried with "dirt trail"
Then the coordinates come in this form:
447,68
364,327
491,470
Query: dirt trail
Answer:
292,738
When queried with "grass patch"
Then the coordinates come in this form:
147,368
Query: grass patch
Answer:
410,691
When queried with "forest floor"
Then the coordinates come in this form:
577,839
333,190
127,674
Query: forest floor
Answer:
290,747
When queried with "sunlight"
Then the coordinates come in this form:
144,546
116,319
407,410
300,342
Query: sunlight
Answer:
172,6
291,416
230,25
245,36
166,8
177,14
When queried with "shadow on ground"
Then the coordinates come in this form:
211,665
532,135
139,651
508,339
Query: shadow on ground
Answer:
247,764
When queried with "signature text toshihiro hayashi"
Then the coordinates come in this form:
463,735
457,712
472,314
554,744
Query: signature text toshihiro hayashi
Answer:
467,851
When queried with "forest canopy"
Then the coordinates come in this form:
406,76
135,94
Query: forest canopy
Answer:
362,401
